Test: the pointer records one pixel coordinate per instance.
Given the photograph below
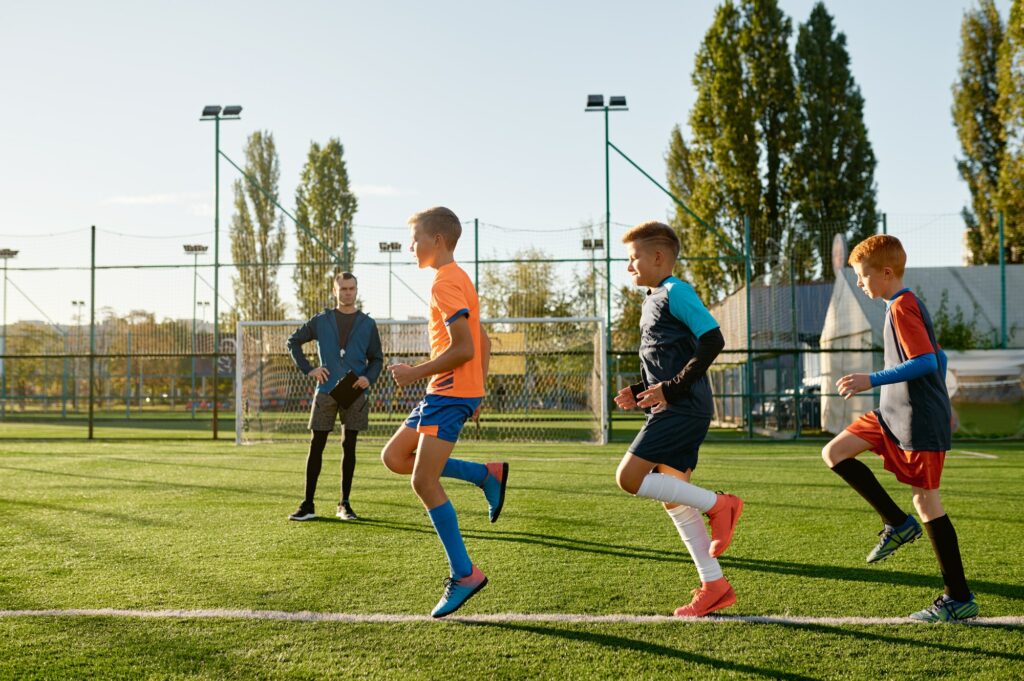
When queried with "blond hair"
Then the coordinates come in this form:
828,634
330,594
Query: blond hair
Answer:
439,220
880,251
654,233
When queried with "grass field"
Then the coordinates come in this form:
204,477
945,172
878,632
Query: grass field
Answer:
196,525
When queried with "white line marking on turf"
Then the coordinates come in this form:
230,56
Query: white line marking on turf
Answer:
555,618
977,455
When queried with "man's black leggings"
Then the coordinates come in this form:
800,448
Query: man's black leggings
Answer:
314,461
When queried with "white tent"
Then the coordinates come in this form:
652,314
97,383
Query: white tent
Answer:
854,322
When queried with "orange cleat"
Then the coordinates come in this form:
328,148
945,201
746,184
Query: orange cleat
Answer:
723,516
711,596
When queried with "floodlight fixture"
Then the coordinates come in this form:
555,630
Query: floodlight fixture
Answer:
211,110
232,110
196,249
593,244
595,101
7,253
617,100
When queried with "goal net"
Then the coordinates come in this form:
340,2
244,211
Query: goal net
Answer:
547,381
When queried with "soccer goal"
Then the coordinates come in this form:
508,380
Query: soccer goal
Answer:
547,381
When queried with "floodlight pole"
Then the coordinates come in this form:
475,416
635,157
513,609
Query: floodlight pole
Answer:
215,116
606,108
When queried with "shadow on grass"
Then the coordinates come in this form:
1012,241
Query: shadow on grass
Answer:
911,642
868,575
621,643
147,483
539,539
129,519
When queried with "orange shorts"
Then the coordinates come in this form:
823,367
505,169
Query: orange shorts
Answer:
919,468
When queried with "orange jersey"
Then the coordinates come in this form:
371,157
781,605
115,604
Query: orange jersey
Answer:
452,296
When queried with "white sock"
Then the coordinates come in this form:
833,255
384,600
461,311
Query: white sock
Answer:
690,525
672,490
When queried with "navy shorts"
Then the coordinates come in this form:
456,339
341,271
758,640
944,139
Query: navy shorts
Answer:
671,438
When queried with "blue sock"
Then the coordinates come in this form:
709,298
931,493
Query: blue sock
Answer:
446,523
470,471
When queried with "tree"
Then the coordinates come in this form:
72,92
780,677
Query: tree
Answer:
257,232
527,287
764,43
718,173
834,165
326,206
978,125
1010,107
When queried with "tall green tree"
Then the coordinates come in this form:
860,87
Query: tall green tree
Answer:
764,44
976,117
718,173
527,287
1011,115
257,232
325,204
833,171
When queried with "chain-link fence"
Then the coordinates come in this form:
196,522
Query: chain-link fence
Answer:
108,334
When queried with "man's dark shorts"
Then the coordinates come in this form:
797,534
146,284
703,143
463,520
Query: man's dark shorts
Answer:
325,411
672,439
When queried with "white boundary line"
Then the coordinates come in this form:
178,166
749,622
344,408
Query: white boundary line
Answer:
556,618
977,455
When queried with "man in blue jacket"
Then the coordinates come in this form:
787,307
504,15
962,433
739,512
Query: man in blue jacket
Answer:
347,340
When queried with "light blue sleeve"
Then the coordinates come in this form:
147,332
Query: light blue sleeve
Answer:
685,305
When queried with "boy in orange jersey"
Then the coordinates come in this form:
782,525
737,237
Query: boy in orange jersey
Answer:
459,354
910,430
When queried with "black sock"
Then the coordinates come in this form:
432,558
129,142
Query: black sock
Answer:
947,551
314,461
348,462
860,477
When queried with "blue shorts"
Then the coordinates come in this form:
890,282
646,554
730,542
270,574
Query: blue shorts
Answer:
672,439
442,417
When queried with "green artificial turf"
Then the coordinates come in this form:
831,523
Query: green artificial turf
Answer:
202,525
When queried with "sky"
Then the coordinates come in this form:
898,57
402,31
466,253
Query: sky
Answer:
473,105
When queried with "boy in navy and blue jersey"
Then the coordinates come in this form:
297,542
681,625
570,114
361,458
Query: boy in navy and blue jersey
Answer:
910,430
679,340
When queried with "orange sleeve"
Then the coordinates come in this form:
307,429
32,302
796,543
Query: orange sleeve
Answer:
911,332
448,297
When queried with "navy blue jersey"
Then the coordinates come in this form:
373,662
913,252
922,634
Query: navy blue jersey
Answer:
672,319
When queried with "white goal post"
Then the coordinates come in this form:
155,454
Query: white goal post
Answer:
548,381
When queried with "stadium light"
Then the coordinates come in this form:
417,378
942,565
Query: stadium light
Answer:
390,247
195,250
595,104
212,112
77,305
593,245
7,254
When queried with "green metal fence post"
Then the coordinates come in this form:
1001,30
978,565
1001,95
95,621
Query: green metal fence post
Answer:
92,328
797,366
1004,340
885,223
747,277
476,253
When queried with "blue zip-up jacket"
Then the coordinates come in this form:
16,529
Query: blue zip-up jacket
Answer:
363,353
